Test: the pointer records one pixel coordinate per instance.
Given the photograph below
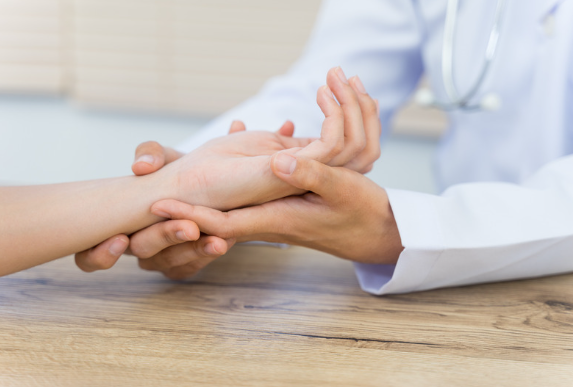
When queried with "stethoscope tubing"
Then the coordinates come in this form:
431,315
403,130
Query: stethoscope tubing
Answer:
458,101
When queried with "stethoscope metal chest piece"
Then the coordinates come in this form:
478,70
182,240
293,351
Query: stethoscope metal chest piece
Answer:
457,100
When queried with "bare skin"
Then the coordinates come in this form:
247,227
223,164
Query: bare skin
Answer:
344,214
229,172
159,248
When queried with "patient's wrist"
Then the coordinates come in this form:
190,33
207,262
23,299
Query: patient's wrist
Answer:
163,184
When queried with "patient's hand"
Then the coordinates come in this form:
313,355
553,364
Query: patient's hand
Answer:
232,171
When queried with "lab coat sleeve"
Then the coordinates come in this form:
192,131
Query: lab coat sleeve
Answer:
480,232
379,40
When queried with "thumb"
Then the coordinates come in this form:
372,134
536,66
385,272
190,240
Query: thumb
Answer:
237,126
152,156
287,129
305,173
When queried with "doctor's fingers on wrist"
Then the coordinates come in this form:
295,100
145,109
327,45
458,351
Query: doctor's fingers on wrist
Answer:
155,238
348,95
234,224
151,156
207,247
372,128
102,256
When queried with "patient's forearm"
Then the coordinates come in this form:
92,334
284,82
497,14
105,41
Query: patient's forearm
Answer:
42,223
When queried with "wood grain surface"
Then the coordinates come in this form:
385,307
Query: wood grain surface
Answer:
267,317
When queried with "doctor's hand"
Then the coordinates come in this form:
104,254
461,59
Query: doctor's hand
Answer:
344,214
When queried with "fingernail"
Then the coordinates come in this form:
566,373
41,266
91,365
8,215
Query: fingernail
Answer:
211,250
162,214
145,159
182,236
360,85
327,91
377,107
117,247
285,163
341,75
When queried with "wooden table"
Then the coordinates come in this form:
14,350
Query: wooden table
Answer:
267,317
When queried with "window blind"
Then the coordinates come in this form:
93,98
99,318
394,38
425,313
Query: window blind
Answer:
32,35
191,56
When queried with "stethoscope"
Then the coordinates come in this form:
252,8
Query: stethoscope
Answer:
457,100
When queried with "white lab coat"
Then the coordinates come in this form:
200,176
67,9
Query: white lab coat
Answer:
508,211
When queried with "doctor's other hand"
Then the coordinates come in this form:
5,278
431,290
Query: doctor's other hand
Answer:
344,214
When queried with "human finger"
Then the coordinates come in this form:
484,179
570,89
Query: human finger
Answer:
286,132
331,141
237,126
151,156
354,136
366,169
153,239
104,255
306,174
184,254
287,129
233,224
372,127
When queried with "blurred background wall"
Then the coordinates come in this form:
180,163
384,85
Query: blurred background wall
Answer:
75,76
191,57
32,46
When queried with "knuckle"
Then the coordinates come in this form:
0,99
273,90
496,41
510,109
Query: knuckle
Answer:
193,267
313,177
198,251
337,113
348,96
80,259
367,169
140,250
171,260
353,98
361,142
168,235
146,264
376,154
105,264
337,147
225,231
168,259
369,106
95,260
373,154
357,145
